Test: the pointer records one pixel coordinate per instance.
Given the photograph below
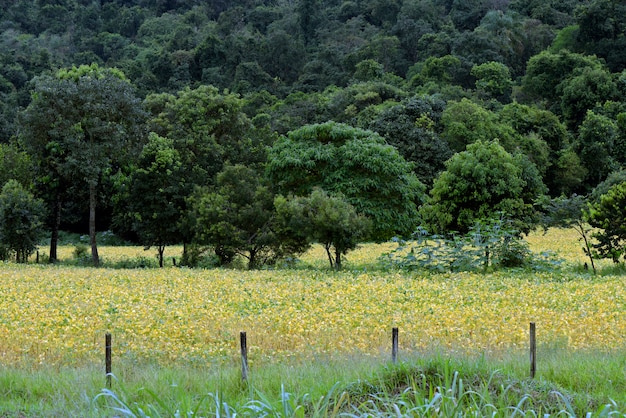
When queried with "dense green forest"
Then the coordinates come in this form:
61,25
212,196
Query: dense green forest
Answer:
181,121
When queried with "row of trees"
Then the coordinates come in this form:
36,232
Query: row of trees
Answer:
192,168
442,113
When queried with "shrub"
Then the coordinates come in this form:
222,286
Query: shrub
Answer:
21,223
489,244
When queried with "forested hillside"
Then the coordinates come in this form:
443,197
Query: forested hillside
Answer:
211,97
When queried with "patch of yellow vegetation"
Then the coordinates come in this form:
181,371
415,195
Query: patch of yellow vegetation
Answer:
59,315
566,243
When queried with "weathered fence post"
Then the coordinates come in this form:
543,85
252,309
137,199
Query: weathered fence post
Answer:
394,345
533,351
107,358
244,356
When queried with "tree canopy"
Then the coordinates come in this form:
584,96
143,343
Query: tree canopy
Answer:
372,175
479,183
78,125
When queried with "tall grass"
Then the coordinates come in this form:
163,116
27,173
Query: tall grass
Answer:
432,385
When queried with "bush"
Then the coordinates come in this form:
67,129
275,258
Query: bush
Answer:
489,244
196,255
140,262
80,251
21,223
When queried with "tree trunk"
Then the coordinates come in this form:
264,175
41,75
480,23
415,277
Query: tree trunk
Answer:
252,260
337,259
56,223
330,256
487,256
92,224
161,250
582,232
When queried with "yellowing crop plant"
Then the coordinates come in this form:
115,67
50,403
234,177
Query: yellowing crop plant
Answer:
59,315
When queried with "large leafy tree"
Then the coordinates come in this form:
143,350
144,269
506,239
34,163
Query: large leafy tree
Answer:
493,81
156,197
237,217
372,175
411,128
208,129
81,123
465,122
569,84
597,139
479,183
553,153
602,27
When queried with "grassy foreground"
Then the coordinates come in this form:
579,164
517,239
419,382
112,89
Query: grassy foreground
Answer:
319,341
573,385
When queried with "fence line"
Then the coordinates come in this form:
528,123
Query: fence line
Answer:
244,353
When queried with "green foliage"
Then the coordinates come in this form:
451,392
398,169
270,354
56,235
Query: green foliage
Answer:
489,244
609,215
546,141
466,122
21,224
80,252
612,179
569,83
602,26
78,126
208,128
569,173
587,88
480,182
493,80
565,39
368,70
91,71
156,198
15,164
327,220
347,61
440,70
370,174
411,128
597,137
238,218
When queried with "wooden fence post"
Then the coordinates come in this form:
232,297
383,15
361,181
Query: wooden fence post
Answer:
394,345
533,351
244,356
107,358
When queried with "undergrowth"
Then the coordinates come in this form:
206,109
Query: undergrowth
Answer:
436,389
